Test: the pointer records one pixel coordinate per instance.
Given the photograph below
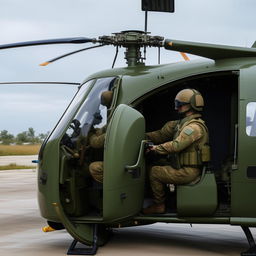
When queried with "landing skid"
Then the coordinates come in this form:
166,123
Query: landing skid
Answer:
252,250
88,250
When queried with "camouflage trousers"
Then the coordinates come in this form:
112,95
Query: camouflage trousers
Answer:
161,175
96,170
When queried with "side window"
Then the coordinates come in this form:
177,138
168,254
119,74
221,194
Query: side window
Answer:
251,119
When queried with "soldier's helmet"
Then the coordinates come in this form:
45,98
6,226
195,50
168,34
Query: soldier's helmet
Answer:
189,96
106,98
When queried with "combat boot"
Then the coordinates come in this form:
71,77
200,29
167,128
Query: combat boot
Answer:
154,209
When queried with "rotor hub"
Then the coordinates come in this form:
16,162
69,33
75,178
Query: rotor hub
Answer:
132,37
132,40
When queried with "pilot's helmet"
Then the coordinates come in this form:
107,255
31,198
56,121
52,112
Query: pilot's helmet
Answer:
106,98
189,96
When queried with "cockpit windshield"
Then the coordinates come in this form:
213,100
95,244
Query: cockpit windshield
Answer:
92,113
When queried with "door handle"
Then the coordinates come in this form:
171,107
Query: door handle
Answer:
135,170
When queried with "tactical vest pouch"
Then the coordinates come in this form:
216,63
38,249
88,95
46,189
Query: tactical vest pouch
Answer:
206,153
190,159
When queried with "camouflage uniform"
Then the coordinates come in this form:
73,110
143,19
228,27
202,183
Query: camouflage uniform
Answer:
96,140
183,141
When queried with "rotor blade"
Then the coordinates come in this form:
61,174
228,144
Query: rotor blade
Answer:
68,54
211,51
74,40
66,83
185,56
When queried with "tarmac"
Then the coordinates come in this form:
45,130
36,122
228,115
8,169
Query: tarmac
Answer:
21,234
18,160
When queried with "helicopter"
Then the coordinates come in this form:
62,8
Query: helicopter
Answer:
69,198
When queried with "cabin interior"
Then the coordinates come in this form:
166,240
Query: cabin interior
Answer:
220,93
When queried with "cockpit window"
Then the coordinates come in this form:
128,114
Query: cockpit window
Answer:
71,109
251,119
93,112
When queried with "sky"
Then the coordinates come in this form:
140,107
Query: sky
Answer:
229,22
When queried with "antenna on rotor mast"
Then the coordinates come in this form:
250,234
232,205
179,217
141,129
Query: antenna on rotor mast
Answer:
155,6
146,22
146,30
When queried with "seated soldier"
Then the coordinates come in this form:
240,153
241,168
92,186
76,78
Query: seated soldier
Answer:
182,140
97,140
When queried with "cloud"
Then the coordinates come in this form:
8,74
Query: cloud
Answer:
11,102
223,22
40,107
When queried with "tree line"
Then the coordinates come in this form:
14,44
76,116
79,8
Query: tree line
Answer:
28,136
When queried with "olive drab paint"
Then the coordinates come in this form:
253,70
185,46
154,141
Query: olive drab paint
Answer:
121,186
69,196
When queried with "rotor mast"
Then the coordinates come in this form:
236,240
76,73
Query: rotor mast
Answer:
133,56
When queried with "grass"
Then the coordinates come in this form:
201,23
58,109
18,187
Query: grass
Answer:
15,167
8,150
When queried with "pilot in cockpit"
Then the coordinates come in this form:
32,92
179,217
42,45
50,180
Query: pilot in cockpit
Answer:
97,139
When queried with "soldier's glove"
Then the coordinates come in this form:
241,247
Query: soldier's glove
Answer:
151,155
148,146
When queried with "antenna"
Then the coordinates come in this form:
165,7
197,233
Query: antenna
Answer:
146,22
146,30
155,6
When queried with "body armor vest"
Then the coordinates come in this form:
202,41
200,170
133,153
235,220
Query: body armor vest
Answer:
198,152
